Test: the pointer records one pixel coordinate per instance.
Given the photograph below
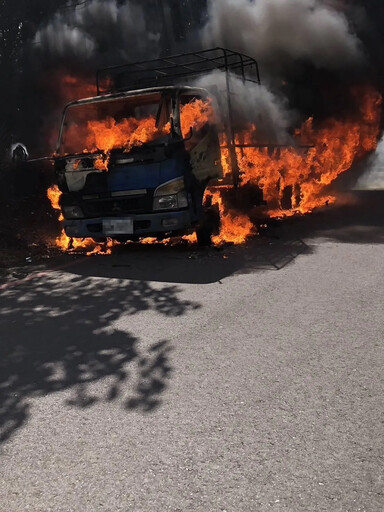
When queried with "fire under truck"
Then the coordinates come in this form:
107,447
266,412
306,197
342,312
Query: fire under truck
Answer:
154,185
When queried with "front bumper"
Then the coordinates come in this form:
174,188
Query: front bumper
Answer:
151,224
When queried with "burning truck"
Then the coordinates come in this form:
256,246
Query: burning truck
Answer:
158,153
144,158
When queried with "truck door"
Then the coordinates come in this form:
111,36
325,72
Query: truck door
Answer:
199,130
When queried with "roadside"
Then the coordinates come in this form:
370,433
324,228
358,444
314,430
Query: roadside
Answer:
28,225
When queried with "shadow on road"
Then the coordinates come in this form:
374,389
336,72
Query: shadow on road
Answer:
356,219
181,264
59,334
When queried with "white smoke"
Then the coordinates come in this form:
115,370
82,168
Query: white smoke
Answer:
103,31
279,32
59,39
373,178
255,104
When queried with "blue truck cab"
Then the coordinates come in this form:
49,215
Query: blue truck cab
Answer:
135,160
129,165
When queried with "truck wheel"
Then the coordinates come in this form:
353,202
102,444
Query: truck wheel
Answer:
203,235
209,225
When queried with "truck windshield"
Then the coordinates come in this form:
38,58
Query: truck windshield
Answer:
115,124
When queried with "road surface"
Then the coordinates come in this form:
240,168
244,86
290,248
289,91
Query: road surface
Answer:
178,379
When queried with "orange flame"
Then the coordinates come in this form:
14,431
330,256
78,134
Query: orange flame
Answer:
74,87
109,134
53,194
101,164
67,244
293,179
302,176
196,114
235,226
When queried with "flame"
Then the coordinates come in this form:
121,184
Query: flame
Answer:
67,244
301,176
109,134
102,249
190,239
101,163
53,194
294,179
74,87
196,115
235,226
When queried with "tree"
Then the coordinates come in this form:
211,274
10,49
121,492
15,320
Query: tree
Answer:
18,22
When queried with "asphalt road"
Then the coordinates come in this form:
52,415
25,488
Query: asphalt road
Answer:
175,379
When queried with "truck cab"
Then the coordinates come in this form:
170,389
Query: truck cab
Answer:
135,164
135,160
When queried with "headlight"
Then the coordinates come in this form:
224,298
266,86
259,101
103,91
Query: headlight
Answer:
165,203
170,187
170,196
73,212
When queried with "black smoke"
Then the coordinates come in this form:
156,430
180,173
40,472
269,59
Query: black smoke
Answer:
81,37
311,52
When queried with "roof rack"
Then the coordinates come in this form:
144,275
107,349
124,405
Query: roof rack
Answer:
170,70
177,70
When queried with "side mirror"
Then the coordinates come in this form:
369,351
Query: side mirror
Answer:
19,153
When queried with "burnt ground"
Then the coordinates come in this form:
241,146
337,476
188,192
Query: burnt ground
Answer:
27,231
28,225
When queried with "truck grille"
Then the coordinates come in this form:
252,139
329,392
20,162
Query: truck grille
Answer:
117,206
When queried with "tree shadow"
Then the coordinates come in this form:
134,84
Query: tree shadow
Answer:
180,264
62,335
59,333
359,219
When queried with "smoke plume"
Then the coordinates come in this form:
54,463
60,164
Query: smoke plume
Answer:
100,32
310,45
256,105
373,177
280,32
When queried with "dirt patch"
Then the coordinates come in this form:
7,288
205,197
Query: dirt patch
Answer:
28,227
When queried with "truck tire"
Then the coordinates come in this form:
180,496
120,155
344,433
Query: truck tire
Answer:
208,226
204,236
